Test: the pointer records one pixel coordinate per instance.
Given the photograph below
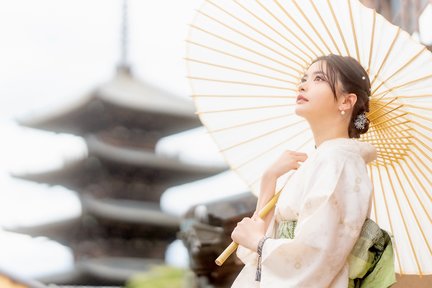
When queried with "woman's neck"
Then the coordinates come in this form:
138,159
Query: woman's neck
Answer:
322,134
326,129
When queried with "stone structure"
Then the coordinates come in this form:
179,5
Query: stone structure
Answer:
206,233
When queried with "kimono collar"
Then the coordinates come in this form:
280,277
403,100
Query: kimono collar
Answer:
366,150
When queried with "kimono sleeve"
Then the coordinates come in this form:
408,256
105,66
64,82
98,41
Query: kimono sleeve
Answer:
334,208
246,255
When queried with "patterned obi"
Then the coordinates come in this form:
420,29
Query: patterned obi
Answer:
286,229
371,262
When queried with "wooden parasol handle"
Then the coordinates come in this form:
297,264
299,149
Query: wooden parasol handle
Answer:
233,246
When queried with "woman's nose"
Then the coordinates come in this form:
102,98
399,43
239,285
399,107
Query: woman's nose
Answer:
302,86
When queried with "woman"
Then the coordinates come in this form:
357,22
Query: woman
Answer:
312,237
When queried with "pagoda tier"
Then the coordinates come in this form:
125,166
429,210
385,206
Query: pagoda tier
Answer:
116,270
114,238
125,110
123,172
106,271
118,229
129,211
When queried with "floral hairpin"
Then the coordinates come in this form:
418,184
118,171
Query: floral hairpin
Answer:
360,121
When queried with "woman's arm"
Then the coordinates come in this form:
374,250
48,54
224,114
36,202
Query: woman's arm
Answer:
267,191
289,160
249,231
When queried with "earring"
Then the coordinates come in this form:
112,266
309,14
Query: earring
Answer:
342,112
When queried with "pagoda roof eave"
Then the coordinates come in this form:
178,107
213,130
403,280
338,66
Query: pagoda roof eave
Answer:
57,229
123,91
127,91
143,158
122,156
129,211
50,176
117,269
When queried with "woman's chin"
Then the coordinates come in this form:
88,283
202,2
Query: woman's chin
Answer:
299,111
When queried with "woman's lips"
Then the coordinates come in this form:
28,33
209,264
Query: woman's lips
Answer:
301,99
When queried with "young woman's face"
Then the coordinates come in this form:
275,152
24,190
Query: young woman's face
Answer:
315,99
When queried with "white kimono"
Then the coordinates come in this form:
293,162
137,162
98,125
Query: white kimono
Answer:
329,196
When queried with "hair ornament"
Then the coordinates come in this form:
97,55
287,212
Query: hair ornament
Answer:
360,121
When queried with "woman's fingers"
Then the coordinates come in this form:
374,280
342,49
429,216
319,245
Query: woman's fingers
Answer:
301,157
244,220
255,215
289,160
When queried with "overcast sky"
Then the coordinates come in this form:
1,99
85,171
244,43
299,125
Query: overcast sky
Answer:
55,50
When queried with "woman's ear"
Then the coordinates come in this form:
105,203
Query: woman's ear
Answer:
347,101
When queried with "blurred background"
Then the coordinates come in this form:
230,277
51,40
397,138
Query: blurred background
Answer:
106,175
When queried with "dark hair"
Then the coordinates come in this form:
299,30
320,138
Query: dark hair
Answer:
353,79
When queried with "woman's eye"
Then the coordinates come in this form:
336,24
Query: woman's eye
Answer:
318,78
302,80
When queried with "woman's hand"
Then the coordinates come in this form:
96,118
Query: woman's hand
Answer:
249,232
289,160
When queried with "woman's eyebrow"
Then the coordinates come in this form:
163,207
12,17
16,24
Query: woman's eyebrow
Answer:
314,73
318,72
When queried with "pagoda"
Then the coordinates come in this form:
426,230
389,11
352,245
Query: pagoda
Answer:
122,229
122,178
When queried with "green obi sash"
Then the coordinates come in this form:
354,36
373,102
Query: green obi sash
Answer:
371,263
